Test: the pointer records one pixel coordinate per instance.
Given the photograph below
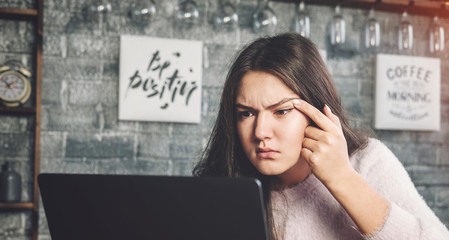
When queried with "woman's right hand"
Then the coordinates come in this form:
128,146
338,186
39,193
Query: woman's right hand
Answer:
324,147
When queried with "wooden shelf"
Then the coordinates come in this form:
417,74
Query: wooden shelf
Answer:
17,110
19,205
18,14
427,8
35,16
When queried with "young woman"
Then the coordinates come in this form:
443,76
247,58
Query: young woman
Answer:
281,121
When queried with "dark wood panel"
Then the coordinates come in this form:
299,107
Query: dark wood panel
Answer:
36,16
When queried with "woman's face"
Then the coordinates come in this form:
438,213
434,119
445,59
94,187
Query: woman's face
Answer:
270,129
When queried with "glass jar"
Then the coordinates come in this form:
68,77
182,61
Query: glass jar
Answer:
264,20
372,31
301,21
338,28
405,33
10,184
436,36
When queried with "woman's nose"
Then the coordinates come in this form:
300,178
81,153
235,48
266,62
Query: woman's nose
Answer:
262,129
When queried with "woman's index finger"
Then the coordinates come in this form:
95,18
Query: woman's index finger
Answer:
314,114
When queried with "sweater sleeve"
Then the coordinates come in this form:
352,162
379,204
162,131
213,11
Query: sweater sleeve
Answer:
409,217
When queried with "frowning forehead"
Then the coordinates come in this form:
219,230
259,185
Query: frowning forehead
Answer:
262,90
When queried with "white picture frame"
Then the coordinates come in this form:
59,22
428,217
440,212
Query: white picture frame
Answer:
160,79
407,95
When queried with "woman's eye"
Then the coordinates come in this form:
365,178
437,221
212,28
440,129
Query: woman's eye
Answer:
245,114
283,111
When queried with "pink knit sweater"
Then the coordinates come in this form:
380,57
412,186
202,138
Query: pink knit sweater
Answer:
309,211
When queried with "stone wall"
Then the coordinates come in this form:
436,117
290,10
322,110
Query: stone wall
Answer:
80,87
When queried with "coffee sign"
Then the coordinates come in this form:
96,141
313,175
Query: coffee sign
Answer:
407,93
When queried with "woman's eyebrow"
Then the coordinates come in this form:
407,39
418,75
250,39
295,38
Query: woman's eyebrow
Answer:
282,101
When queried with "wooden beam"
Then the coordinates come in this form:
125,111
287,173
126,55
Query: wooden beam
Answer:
425,8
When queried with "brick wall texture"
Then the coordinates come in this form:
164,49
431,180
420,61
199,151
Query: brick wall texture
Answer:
80,89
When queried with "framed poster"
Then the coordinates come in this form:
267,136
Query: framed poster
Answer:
407,93
160,79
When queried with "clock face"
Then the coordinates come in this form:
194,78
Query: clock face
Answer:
13,86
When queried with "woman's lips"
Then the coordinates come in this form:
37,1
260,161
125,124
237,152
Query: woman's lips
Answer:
266,152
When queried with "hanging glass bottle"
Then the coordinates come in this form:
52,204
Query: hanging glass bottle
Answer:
264,19
405,33
338,28
436,36
372,31
301,21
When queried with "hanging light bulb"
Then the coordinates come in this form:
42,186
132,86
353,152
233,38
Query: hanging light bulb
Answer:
264,19
436,36
405,33
301,21
372,31
338,28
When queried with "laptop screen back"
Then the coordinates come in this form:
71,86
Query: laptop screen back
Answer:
152,207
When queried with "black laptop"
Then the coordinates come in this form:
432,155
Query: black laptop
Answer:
100,207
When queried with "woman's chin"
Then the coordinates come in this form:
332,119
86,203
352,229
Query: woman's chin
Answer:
270,171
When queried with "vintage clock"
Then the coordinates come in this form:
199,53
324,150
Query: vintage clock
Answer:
15,87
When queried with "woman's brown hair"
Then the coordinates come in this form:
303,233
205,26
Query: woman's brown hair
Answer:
297,62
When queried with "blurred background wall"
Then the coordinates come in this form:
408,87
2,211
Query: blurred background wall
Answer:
80,90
